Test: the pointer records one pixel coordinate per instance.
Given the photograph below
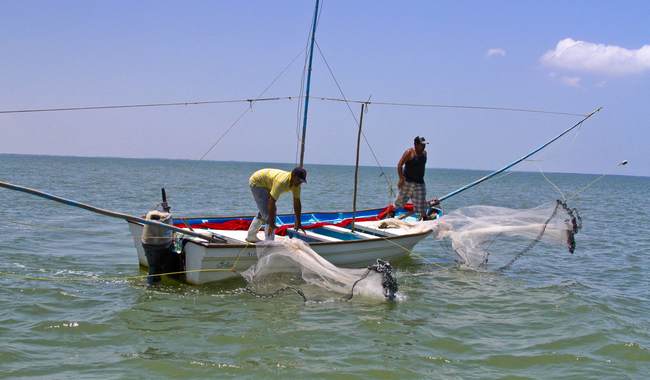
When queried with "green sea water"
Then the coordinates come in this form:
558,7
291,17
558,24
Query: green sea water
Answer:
71,306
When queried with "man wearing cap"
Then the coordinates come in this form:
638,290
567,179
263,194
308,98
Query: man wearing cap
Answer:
410,170
267,185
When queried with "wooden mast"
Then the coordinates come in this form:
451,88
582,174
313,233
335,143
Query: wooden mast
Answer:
356,167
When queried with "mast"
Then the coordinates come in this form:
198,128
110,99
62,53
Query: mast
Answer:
356,167
311,56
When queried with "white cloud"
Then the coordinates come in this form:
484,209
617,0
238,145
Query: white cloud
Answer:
571,81
587,56
495,52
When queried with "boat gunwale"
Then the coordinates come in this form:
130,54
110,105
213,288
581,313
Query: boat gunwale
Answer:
279,215
252,245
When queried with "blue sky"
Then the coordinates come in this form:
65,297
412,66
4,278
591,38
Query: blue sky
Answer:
564,56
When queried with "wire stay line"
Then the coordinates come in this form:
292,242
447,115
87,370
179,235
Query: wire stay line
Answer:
250,108
145,105
457,106
356,121
277,98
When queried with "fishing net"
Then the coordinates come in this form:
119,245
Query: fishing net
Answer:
291,265
477,231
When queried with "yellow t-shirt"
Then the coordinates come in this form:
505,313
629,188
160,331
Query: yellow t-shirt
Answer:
276,181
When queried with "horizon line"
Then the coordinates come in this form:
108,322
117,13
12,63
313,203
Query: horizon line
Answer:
290,163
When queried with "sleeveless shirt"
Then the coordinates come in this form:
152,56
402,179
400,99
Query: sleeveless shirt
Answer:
414,168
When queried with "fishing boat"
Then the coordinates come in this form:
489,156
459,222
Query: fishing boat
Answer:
209,249
342,238
350,239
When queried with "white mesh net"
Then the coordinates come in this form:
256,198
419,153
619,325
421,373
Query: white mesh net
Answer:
476,231
473,230
291,262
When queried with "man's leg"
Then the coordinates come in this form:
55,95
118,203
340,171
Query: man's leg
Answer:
405,193
261,197
419,199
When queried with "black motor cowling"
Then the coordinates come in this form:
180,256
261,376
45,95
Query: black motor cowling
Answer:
157,243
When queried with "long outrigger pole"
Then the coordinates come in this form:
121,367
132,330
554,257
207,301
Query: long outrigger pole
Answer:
470,185
311,56
105,212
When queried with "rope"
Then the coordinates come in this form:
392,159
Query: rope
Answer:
456,106
250,108
411,252
354,116
583,189
126,278
234,123
576,225
109,278
363,277
276,293
551,182
146,105
532,243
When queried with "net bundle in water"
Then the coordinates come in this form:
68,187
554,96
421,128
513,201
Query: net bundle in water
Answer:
292,262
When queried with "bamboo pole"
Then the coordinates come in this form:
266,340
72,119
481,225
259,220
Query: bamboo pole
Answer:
356,167
112,214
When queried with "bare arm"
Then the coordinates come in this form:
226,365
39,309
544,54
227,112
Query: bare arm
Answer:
400,166
297,209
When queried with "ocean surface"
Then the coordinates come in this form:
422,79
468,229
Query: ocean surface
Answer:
72,304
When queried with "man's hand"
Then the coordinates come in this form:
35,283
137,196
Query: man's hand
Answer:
400,183
434,202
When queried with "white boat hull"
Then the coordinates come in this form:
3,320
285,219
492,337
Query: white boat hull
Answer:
205,263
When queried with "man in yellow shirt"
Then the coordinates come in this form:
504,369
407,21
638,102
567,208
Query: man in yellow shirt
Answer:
267,185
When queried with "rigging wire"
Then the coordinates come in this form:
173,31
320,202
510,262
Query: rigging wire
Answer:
250,108
593,182
267,99
146,105
457,106
329,68
556,187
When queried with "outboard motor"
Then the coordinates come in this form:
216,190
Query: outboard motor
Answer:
157,243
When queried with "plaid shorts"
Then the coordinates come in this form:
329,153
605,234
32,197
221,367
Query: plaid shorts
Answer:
417,193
